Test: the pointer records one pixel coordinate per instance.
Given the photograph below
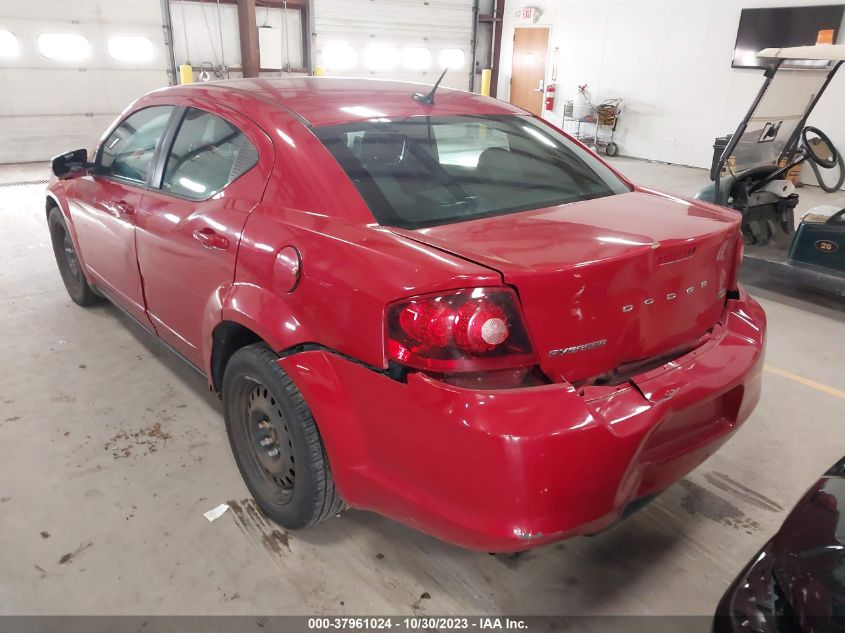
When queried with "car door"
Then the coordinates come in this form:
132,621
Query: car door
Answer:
213,172
104,205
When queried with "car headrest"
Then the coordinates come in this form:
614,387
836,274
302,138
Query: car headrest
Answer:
379,148
497,160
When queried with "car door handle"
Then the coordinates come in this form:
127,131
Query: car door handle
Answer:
120,208
209,238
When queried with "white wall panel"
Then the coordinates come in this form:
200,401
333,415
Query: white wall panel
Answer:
671,63
394,24
50,106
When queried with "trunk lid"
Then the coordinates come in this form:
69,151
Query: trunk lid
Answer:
606,282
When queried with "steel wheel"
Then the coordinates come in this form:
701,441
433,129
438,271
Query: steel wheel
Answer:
71,259
67,260
275,441
271,439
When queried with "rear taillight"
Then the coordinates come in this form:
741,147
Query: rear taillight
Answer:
474,330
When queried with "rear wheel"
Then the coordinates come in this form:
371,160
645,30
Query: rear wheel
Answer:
70,267
275,441
612,149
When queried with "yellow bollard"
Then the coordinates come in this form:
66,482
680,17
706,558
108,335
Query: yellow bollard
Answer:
186,74
319,71
486,76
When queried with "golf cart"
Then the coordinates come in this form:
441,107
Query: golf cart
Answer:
752,173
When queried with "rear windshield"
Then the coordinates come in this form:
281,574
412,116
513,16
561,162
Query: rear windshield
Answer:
423,171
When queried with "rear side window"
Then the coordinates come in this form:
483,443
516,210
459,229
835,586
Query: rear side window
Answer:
207,154
129,151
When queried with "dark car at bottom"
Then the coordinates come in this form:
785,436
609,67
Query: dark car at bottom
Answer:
796,583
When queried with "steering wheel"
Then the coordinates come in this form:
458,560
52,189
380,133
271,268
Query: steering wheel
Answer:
827,159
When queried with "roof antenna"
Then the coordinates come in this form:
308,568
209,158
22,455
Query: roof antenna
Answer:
428,99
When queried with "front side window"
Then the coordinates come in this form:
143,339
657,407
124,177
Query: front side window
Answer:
423,171
129,151
207,154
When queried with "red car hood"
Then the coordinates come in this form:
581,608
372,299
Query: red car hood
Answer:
605,282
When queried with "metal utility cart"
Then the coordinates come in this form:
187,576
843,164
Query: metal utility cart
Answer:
597,127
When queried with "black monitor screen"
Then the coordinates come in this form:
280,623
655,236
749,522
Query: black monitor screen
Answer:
782,27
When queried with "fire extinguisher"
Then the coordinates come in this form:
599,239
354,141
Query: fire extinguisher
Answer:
550,97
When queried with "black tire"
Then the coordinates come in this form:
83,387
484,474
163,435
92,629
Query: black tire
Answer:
265,412
612,149
67,260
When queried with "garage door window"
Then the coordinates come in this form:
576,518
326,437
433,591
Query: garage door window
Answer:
451,58
416,58
207,154
339,56
379,58
8,44
130,48
64,47
129,151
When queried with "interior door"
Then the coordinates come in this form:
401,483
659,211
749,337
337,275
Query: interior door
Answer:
104,205
528,69
213,174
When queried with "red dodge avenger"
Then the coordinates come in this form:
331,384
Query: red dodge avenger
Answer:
431,305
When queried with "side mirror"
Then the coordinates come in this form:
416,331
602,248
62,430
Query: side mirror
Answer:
70,164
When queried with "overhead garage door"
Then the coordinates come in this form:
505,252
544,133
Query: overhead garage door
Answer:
69,69
410,40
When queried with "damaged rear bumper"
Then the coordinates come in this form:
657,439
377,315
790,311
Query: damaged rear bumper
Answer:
512,469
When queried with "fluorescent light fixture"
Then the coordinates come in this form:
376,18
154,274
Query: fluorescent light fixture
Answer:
131,48
64,47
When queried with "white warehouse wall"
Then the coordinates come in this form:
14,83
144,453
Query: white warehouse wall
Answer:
670,60
49,106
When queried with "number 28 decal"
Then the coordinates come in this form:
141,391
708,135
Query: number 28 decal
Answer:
826,246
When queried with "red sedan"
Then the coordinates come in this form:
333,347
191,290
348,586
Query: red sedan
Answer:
445,311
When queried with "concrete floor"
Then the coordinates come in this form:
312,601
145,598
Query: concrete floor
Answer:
111,449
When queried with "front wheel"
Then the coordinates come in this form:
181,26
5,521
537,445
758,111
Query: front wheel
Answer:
67,260
275,441
612,149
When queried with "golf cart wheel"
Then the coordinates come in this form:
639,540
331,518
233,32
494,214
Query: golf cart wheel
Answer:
275,441
70,268
612,149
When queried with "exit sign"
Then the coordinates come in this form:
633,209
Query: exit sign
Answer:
528,15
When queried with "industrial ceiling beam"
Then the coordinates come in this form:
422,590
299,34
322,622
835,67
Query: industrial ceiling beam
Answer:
248,30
